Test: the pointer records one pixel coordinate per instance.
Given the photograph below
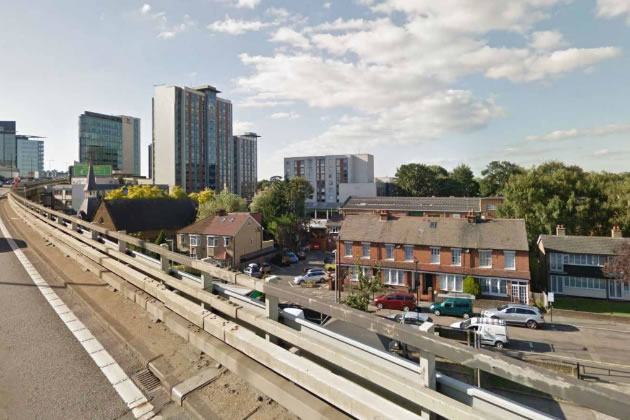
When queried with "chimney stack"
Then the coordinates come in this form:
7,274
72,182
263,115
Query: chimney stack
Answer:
616,232
384,215
560,230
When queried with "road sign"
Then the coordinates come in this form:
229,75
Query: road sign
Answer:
99,170
550,297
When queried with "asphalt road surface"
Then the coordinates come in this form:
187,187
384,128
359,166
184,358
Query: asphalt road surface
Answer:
44,371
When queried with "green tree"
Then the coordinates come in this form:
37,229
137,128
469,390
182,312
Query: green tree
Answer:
496,175
419,180
462,182
161,239
178,192
202,196
471,286
222,202
135,192
359,297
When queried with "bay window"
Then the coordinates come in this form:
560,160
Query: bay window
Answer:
451,282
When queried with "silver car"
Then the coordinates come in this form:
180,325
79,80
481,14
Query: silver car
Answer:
516,314
318,276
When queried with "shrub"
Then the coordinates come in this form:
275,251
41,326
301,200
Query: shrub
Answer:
471,286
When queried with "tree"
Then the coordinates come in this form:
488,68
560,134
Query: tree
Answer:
203,196
288,230
619,266
495,177
471,286
297,191
160,238
136,191
222,202
178,192
117,194
462,182
419,180
359,297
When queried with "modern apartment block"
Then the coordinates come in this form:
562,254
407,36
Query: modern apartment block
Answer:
192,138
110,140
30,155
325,173
435,254
8,149
572,265
246,165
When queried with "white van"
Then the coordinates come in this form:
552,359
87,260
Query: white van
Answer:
491,332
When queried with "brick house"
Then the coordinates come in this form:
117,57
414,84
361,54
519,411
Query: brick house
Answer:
224,239
457,207
572,265
436,254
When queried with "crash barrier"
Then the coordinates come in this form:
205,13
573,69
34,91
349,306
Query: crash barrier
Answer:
362,393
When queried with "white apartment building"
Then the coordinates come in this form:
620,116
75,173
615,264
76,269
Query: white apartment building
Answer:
326,173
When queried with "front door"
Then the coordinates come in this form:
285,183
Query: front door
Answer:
516,296
428,282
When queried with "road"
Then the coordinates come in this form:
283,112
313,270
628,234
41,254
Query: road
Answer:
44,371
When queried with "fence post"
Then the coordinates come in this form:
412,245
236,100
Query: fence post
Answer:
271,305
60,220
122,245
94,235
166,267
427,367
75,227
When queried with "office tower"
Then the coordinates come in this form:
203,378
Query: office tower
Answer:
110,140
246,165
150,161
30,155
8,148
192,138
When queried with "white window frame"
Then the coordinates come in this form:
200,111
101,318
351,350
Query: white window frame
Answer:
363,245
512,254
227,240
493,286
435,255
393,277
334,229
194,240
451,282
214,241
388,248
456,257
556,262
485,254
407,248
347,245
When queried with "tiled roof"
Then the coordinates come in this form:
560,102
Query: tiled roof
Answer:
227,225
506,234
598,245
143,214
427,204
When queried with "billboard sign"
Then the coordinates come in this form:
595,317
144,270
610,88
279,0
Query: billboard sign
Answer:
99,170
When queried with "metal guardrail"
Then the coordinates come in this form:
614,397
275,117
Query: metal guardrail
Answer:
570,389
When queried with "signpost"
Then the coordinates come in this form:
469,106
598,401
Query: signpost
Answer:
550,299
99,170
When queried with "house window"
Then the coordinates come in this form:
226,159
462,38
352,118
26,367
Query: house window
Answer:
194,240
491,207
334,229
347,249
212,241
456,256
182,239
556,262
451,283
435,255
408,253
556,284
496,287
578,282
485,258
394,277
510,260
389,251
365,247
227,241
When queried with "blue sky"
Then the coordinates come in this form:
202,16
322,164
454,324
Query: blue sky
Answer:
448,82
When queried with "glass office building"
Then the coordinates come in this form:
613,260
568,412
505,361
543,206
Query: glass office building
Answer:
246,165
30,155
8,146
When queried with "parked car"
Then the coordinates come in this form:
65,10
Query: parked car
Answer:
309,269
453,307
281,260
265,268
253,270
301,255
292,257
400,301
491,331
512,313
411,318
318,276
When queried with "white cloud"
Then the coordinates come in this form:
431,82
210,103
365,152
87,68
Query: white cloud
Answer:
240,127
289,36
237,27
601,152
285,116
327,5
574,133
613,8
250,4
547,40
166,30
145,9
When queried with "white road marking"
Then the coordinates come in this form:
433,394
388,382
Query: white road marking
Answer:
128,391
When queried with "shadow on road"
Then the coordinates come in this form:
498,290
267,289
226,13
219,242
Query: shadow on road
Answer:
5,247
530,346
562,327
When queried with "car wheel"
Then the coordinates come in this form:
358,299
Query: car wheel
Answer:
532,324
499,345
437,312
406,308
379,305
466,316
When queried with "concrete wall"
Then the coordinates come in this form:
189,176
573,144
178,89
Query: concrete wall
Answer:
361,168
129,145
164,135
357,190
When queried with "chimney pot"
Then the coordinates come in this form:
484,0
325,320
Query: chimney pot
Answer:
616,232
560,230
384,215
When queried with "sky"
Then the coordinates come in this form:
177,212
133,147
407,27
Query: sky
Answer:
438,82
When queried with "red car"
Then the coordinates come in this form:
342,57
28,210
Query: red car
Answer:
399,301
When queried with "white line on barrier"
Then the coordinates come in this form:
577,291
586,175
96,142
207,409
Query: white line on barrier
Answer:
127,390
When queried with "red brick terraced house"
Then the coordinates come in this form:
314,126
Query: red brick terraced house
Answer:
435,254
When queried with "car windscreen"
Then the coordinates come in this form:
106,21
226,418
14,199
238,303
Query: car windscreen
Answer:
502,307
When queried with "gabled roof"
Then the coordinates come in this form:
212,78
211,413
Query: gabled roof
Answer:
597,245
90,184
227,225
425,204
501,234
139,215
